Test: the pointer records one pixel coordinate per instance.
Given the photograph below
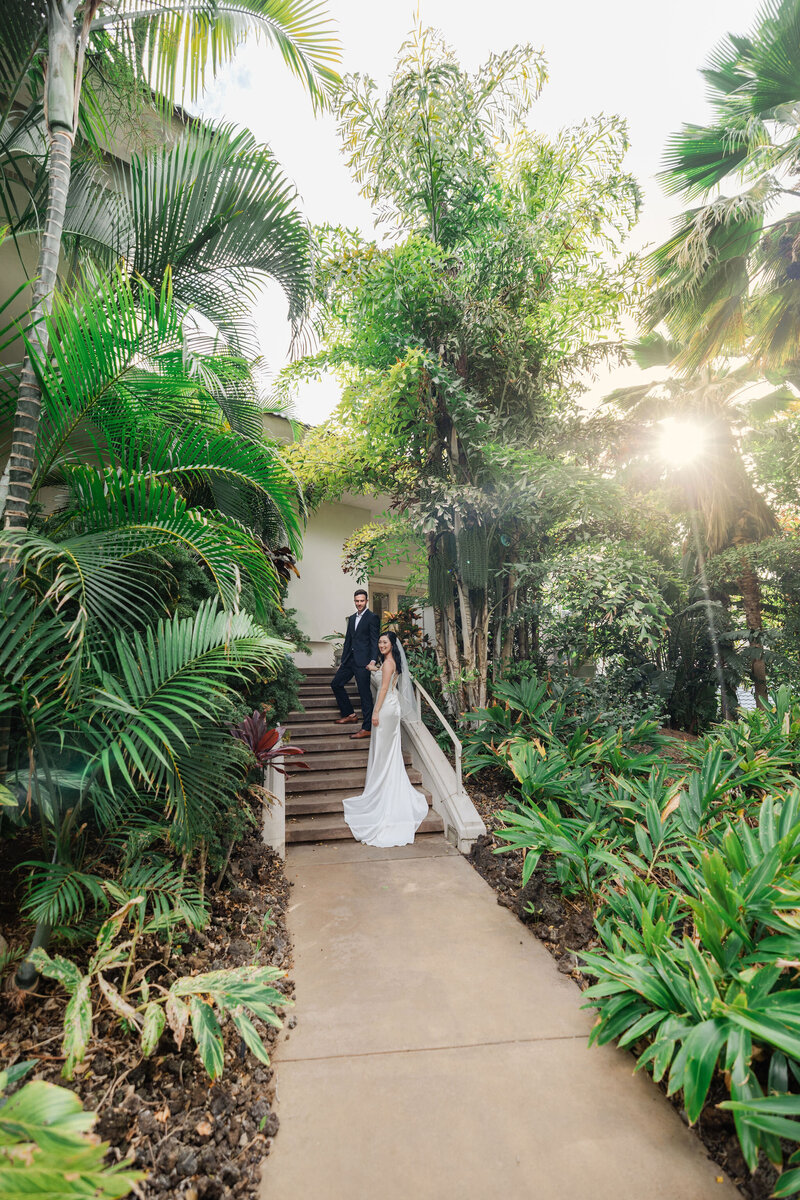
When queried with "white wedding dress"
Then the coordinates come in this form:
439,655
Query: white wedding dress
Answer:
389,810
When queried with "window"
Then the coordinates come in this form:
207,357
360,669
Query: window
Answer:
379,603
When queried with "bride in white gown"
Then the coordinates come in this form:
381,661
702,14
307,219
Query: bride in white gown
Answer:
389,810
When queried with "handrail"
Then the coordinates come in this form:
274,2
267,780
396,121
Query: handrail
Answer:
456,743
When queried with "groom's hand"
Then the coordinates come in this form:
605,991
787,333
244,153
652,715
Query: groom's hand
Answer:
372,665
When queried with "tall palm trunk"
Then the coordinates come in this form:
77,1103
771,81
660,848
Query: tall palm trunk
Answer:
62,90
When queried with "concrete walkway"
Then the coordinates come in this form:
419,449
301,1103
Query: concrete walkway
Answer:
440,1055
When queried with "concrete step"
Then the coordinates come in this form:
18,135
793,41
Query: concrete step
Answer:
302,729
321,689
352,778
317,702
339,738
318,672
332,828
315,714
326,802
336,760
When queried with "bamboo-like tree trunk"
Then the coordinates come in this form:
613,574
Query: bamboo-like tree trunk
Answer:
751,599
62,90
452,655
481,627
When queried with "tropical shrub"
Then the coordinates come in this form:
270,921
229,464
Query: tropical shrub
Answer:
147,1009
264,744
692,874
537,732
46,1146
126,737
713,984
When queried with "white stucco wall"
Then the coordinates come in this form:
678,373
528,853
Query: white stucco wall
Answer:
323,595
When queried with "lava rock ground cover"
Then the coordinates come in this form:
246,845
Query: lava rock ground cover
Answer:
195,1139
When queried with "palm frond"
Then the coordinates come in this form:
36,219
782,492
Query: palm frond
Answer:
123,514
173,44
160,695
251,472
216,211
170,894
101,338
35,658
58,893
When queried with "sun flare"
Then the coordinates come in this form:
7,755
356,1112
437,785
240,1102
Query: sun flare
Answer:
681,443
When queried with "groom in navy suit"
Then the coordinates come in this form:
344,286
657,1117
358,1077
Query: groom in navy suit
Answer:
360,652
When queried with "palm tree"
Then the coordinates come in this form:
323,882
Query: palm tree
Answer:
716,486
728,280
179,39
213,208
113,704
135,440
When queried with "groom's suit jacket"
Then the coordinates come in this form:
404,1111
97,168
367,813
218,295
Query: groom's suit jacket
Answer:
361,645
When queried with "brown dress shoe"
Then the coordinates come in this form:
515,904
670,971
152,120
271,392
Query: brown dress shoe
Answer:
346,720
362,733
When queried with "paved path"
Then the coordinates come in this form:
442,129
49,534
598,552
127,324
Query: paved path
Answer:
440,1055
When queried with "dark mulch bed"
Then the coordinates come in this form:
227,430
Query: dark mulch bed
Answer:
566,928
196,1140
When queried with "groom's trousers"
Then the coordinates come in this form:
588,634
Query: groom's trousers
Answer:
339,683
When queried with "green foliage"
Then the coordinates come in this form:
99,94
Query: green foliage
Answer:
728,278
602,601
693,876
373,547
581,846
145,717
725,994
420,155
46,1145
458,342
539,734
204,999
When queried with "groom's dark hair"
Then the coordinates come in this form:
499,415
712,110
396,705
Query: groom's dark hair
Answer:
360,592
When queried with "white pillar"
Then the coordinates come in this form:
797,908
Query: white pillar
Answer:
273,828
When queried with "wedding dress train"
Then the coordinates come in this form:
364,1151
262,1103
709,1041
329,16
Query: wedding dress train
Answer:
389,810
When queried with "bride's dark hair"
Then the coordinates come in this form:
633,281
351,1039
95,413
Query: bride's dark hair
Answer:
398,662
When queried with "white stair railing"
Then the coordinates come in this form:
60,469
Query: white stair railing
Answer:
420,691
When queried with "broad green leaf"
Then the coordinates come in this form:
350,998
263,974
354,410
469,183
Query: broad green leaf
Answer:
77,1026
788,1183
152,1027
250,1035
702,1048
208,1036
16,1072
61,969
43,1113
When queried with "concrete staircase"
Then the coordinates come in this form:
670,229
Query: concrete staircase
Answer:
338,766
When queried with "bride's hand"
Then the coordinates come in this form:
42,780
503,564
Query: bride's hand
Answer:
375,722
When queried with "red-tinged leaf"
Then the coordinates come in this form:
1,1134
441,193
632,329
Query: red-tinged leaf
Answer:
267,740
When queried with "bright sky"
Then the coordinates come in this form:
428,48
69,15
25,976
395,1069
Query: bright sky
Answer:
630,57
